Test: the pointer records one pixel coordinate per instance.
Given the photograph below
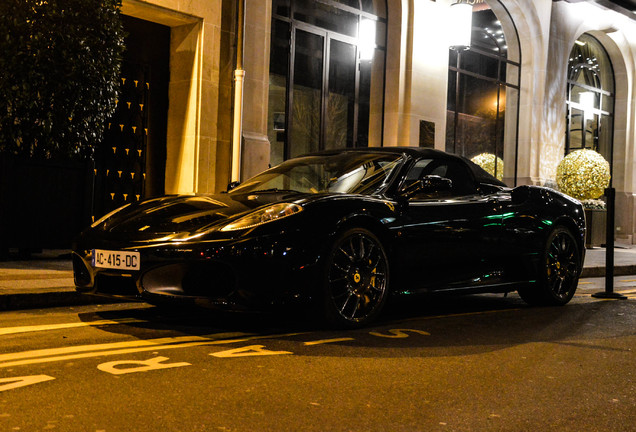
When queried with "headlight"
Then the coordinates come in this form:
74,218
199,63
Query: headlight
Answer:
263,216
105,217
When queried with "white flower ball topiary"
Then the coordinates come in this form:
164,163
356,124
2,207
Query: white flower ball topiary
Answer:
583,174
487,162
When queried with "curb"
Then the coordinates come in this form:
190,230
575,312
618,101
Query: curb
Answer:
591,272
22,301
67,296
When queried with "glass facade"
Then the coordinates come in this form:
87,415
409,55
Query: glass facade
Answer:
590,98
483,87
326,66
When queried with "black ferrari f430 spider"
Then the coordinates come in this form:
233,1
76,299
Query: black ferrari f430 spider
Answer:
340,230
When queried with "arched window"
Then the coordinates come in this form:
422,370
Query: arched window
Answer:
483,90
590,98
326,75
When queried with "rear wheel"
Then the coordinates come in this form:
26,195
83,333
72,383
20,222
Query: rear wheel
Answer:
560,268
356,281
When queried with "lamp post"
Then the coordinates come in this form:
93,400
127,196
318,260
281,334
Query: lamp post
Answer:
610,194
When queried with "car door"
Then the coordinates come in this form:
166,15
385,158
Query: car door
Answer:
448,238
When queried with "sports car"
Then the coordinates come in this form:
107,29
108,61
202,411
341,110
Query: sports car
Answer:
340,232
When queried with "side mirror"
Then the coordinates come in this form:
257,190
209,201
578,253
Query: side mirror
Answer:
429,184
232,185
520,194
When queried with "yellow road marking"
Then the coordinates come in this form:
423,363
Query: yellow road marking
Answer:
113,345
325,341
16,382
248,351
116,348
156,363
464,314
60,275
399,333
45,327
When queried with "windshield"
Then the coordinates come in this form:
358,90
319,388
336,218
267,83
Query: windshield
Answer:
349,172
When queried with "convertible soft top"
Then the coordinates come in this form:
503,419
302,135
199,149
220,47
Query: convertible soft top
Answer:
480,174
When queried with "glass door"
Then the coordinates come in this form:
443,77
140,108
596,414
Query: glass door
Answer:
326,76
319,122
341,99
306,93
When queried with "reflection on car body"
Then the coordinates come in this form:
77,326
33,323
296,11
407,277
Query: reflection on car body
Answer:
341,231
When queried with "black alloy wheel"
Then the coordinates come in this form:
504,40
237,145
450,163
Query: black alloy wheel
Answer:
560,269
356,279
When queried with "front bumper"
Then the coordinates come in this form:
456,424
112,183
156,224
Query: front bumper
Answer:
256,273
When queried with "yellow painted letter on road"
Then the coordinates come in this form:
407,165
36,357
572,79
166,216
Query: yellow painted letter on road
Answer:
252,350
399,333
16,382
138,365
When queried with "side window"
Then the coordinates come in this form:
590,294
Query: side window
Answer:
462,178
415,173
463,181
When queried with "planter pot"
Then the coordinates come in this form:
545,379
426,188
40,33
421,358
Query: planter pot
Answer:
596,225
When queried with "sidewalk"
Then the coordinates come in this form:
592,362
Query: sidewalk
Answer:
46,280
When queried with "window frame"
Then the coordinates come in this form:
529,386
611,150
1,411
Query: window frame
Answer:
328,36
574,70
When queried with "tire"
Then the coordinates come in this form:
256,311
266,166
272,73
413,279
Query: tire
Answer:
356,279
559,271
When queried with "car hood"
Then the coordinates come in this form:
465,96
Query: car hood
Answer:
186,215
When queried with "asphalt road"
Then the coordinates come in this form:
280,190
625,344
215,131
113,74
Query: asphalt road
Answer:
477,363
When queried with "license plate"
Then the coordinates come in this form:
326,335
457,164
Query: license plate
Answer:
120,260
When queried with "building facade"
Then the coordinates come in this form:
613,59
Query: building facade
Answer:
540,79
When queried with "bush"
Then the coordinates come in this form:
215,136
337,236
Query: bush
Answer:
59,63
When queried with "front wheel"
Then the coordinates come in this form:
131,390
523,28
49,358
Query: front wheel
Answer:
559,268
356,279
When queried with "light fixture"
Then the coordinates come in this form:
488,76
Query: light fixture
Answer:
367,39
460,25
587,101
